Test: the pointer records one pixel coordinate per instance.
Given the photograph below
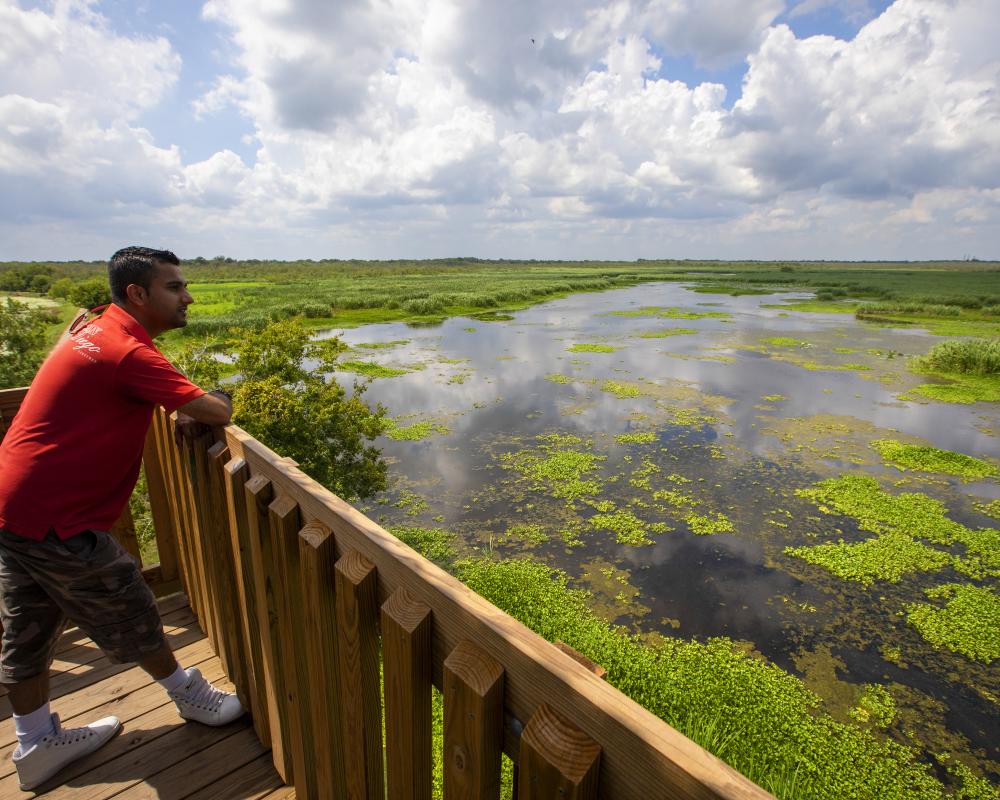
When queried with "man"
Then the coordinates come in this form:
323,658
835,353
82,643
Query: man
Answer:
67,468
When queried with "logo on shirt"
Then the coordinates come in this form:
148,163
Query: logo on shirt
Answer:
82,343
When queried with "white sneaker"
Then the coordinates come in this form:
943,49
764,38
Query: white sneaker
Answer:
202,702
53,752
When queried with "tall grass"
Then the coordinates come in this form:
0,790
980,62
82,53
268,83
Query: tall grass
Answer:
967,356
927,309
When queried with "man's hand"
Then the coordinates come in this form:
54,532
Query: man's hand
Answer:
188,428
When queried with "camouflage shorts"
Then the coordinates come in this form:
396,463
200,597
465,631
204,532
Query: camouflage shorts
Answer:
88,578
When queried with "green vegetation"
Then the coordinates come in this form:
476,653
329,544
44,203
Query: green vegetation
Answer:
555,377
886,558
931,459
556,468
784,341
382,345
622,389
752,714
592,348
963,389
643,437
415,432
990,509
527,533
437,544
627,527
875,707
968,623
664,333
861,497
964,356
301,415
705,525
370,369
23,340
982,554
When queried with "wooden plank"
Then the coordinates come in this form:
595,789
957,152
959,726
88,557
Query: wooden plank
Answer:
180,505
316,557
360,698
166,450
473,723
406,657
145,714
205,536
283,515
250,782
557,759
198,770
259,495
222,552
159,505
254,693
123,532
642,756
581,659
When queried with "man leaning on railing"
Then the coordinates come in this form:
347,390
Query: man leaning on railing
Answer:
68,465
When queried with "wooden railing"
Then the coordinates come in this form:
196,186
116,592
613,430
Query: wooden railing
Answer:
328,625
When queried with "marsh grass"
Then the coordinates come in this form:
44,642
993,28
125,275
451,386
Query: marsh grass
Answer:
964,356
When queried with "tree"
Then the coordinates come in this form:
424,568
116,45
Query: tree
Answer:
90,293
296,411
23,332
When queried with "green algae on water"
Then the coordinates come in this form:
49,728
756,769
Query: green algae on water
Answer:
990,509
875,708
559,471
555,377
370,369
528,534
643,437
887,558
591,348
767,723
706,524
931,459
784,341
968,623
416,432
664,333
627,527
622,389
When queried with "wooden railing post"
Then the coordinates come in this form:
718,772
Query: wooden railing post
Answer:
360,698
406,658
124,533
556,759
319,611
171,476
254,693
159,503
259,495
283,514
473,723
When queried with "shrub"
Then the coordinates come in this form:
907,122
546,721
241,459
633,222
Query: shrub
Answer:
969,356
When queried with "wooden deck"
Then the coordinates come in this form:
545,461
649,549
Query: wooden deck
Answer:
157,754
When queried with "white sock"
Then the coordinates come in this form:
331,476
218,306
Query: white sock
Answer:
33,726
174,681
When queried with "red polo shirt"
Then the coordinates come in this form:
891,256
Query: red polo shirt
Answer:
72,455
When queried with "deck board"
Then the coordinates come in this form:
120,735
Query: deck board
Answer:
157,754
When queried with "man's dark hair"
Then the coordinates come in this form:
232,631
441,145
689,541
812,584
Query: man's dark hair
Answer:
135,265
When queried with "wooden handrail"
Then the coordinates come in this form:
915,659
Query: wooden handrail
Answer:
287,580
312,572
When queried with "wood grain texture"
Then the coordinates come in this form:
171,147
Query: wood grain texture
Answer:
581,659
360,697
473,723
205,530
225,569
319,617
159,504
236,474
406,659
259,494
123,532
283,514
556,759
168,457
642,756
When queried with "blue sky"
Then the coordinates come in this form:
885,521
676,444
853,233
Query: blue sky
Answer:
422,128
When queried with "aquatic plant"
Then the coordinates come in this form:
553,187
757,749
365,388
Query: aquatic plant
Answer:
875,707
382,345
370,369
643,437
555,377
861,497
591,348
981,559
528,533
622,389
561,472
964,356
627,527
784,341
674,498
887,558
766,723
415,432
990,509
706,524
664,333
931,459
437,544
964,389
968,623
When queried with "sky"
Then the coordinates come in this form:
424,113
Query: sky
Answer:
546,129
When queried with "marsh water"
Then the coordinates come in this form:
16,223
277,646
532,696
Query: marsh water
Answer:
690,420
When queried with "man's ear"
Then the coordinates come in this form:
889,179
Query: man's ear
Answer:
136,294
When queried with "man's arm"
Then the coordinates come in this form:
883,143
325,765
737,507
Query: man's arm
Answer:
213,408
194,418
